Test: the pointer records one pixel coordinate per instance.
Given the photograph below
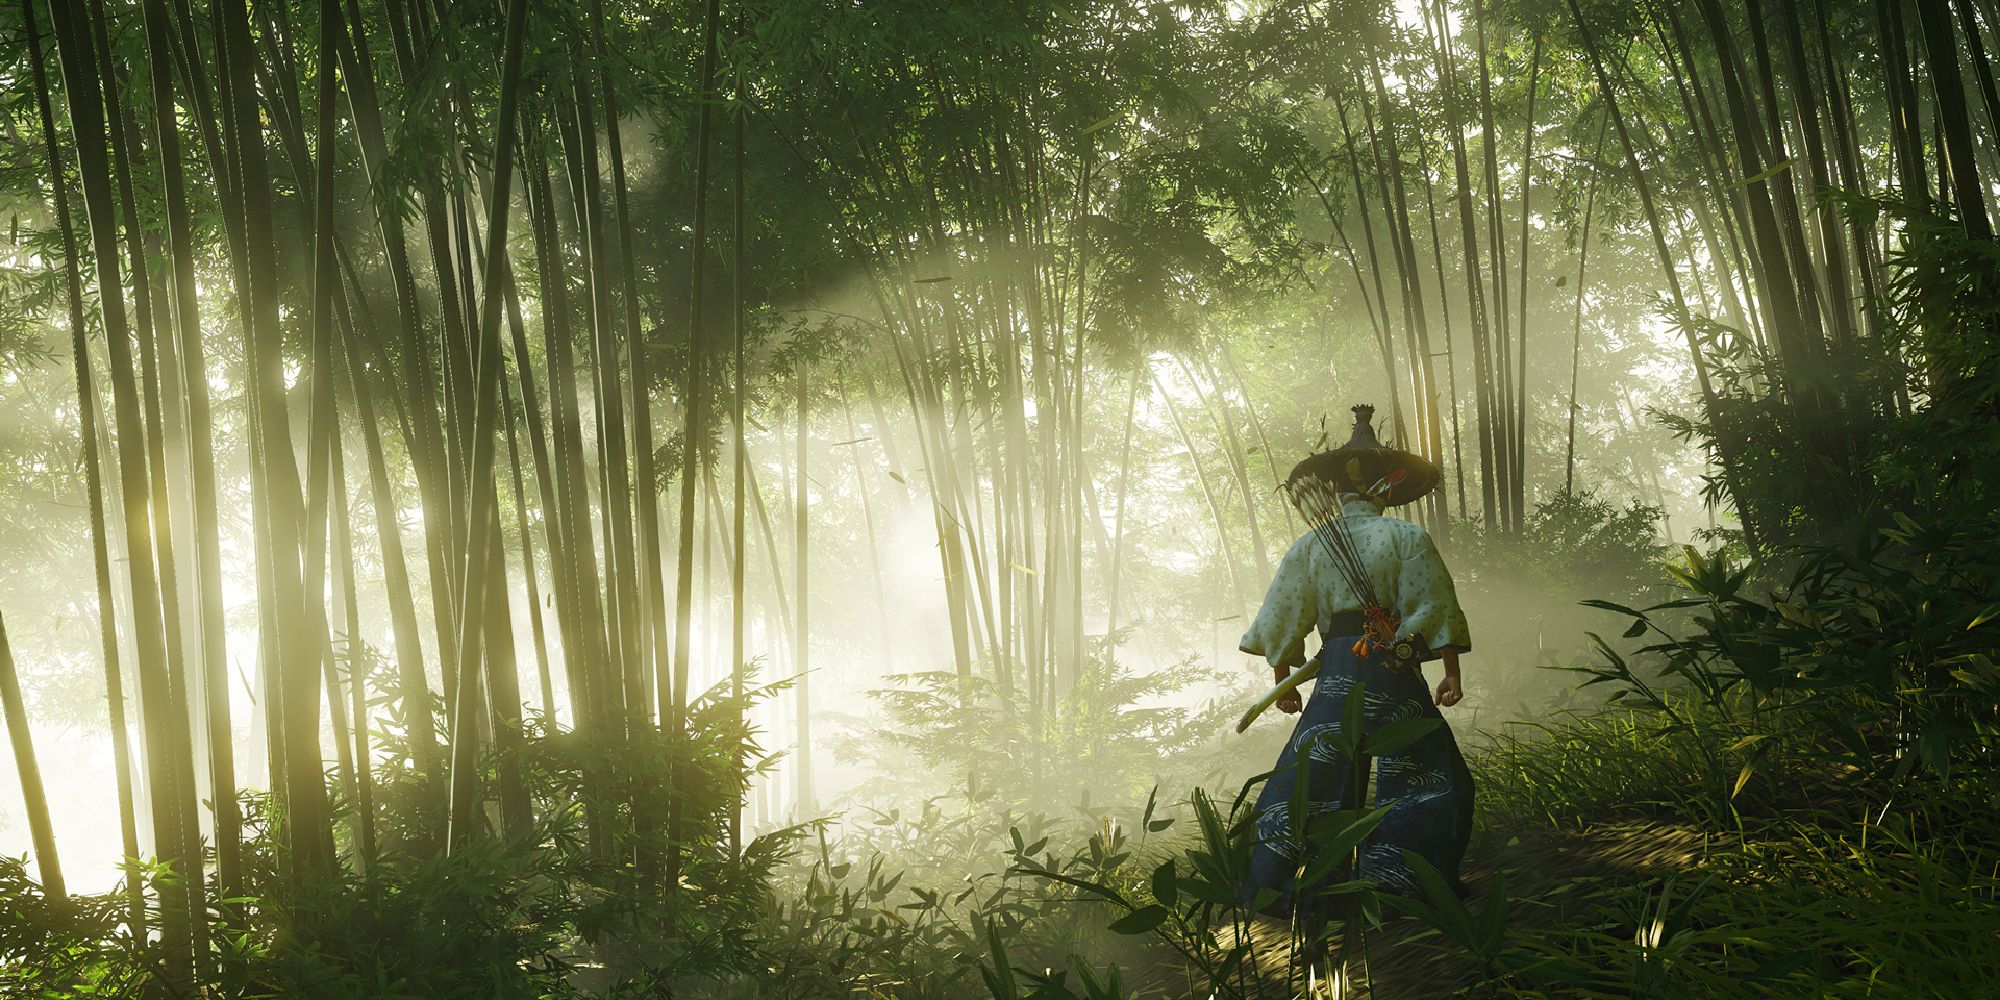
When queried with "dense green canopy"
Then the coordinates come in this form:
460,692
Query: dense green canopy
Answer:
495,436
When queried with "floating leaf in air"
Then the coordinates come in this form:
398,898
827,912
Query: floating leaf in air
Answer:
1101,123
1767,173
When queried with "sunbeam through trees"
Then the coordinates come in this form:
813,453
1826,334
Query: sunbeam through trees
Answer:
709,499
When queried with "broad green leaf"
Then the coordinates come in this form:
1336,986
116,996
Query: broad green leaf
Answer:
1207,892
1140,921
1394,737
1493,921
1095,889
1337,834
1354,719
1935,746
1165,888
999,979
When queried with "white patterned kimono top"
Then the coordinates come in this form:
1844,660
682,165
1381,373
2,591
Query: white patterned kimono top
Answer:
1404,566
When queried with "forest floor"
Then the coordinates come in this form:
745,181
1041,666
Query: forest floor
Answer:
1551,877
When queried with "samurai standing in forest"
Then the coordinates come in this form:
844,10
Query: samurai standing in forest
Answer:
1382,600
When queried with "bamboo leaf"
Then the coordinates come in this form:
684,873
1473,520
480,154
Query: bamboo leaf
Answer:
1093,888
1610,606
1767,173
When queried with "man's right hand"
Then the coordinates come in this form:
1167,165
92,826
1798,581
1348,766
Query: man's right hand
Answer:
1290,703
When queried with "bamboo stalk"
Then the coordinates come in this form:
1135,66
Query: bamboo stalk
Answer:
41,830
482,534
164,742
740,454
172,910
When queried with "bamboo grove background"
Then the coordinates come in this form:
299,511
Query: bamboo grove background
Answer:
408,368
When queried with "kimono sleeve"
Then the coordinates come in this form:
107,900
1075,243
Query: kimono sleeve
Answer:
1290,611
1426,599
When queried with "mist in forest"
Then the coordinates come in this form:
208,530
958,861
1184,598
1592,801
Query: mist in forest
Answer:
625,498
875,580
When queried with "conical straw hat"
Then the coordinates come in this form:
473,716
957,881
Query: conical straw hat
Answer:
1364,461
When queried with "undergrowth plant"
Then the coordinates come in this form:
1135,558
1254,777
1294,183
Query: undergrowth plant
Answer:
556,913
1116,733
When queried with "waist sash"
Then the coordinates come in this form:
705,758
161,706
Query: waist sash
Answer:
1342,623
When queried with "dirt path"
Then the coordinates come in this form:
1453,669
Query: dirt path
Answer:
1548,877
